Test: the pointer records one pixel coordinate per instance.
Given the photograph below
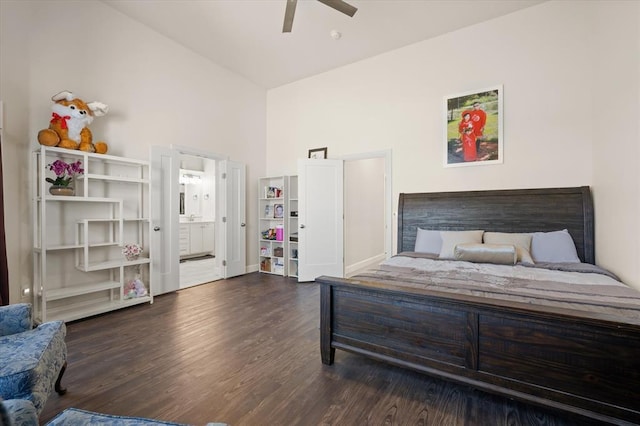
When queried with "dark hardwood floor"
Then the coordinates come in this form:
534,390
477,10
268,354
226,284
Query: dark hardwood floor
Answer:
245,351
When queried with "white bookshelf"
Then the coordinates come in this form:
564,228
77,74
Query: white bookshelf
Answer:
278,255
292,227
79,268
271,220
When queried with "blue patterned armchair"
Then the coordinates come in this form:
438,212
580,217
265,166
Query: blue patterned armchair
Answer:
32,360
18,412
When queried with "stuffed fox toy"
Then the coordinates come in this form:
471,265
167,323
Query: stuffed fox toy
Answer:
69,123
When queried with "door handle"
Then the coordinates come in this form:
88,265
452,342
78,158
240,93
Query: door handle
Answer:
156,228
243,224
302,226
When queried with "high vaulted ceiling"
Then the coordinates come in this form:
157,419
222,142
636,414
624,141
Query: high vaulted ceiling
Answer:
245,36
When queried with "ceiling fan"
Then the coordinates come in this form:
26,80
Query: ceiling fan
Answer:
338,5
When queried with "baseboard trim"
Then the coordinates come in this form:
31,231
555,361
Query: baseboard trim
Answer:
364,264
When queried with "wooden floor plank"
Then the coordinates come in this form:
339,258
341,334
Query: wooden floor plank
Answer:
245,351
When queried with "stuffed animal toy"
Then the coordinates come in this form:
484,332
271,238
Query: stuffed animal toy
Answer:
141,290
135,288
69,124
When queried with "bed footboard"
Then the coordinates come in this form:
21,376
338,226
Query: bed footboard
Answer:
587,365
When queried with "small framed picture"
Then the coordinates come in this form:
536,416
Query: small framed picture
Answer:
278,210
318,153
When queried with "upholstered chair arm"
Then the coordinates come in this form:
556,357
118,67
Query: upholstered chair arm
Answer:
19,412
15,318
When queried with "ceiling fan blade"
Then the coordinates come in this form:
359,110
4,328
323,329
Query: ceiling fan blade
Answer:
340,6
289,12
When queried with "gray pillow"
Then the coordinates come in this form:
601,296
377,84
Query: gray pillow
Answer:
502,254
428,241
553,247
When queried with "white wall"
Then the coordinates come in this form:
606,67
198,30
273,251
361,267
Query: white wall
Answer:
158,92
15,19
615,119
544,56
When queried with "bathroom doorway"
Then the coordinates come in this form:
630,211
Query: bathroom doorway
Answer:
229,220
197,215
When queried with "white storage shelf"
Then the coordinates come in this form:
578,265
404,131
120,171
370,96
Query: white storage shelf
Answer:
122,179
62,247
292,227
110,264
110,208
62,293
276,255
271,213
87,309
292,235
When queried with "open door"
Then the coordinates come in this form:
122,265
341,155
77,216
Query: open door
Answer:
164,194
232,232
320,219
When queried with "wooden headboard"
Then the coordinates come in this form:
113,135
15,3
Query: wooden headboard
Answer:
520,210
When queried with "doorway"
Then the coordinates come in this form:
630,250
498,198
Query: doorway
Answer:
344,214
367,194
164,199
197,221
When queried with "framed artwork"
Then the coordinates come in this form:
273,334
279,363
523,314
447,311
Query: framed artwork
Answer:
473,128
318,153
278,210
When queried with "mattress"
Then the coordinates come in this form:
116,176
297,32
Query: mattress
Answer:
582,287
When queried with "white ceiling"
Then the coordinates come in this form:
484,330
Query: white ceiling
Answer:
245,36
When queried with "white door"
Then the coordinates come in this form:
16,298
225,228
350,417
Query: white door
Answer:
320,219
165,199
233,226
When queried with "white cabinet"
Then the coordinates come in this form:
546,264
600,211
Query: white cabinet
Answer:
185,238
201,238
79,266
197,238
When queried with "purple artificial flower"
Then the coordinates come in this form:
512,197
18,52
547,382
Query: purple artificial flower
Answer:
75,168
58,167
64,172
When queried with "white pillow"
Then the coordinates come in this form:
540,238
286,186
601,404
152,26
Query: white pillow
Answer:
553,247
522,242
452,238
428,241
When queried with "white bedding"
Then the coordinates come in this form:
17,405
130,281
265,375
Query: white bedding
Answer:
506,271
591,291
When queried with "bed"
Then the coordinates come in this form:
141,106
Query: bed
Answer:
580,361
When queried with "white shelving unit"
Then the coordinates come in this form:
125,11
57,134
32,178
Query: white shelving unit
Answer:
292,227
79,268
271,219
278,250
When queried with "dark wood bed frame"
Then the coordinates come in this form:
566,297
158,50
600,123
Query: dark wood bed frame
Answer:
584,363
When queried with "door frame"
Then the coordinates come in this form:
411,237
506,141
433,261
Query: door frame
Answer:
220,248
